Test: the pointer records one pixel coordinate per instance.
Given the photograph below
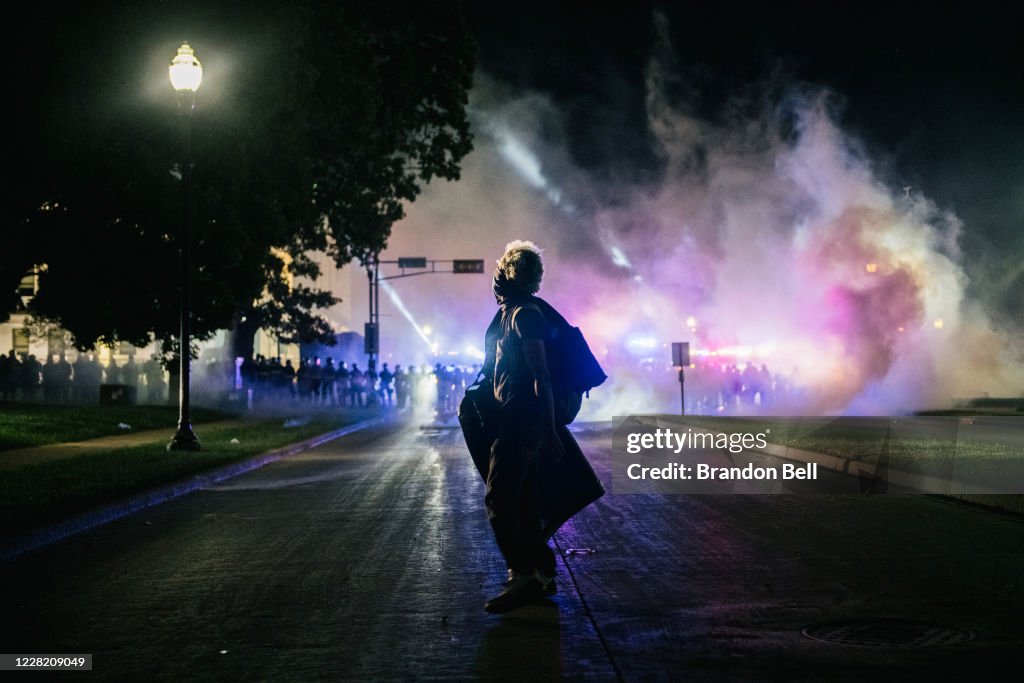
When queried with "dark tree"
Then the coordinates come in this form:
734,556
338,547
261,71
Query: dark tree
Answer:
401,121
344,110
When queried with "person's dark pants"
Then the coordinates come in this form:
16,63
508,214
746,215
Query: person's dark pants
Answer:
513,490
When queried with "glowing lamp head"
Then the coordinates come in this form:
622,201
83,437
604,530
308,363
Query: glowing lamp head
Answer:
185,70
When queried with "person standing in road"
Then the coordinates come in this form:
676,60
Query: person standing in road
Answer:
342,378
357,387
401,388
526,429
387,389
328,382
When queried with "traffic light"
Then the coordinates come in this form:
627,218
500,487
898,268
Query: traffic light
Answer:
412,262
370,338
468,266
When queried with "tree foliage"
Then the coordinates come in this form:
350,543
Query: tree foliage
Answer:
406,123
314,141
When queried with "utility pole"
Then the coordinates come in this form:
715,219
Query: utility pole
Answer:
680,359
371,336
371,333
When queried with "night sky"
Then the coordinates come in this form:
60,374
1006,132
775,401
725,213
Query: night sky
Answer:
920,121
650,148
935,93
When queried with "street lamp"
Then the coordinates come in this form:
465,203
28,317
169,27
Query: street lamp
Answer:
186,74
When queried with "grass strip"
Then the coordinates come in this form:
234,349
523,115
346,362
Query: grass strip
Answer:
867,441
28,425
53,490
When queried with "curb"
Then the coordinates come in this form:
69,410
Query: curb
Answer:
979,495
58,531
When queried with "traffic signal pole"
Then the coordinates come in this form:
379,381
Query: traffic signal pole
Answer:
371,336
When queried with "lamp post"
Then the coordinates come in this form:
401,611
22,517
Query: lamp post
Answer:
186,74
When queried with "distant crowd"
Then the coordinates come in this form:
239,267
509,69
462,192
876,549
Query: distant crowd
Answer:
318,381
726,388
60,381
710,388
323,381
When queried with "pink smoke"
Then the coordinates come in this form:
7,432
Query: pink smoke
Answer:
783,247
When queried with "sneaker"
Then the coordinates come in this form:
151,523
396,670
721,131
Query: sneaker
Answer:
549,583
520,589
550,588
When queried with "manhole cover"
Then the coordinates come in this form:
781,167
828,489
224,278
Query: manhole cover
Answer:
887,633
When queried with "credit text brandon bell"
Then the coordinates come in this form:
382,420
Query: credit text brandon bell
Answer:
704,471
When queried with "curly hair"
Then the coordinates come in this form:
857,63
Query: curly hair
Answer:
522,265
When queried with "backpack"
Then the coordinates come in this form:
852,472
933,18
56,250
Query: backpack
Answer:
573,366
574,370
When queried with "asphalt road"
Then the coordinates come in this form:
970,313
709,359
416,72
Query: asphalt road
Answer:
370,558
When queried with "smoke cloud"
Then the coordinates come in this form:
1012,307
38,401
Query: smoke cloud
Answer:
769,237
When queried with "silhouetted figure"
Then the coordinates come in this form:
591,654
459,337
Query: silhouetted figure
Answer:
93,378
526,423
387,388
302,380
288,379
443,386
316,379
458,387
277,379
765,387
372,386
64,374
31,378
357,386
51,386
751,384
733,387
11,376
248,372
342,381
130,373
402,388
78,378
156,385
262,377
416,379
112,373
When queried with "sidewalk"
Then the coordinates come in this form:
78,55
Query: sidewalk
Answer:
858,468
876,475
19,457
371,558
40,536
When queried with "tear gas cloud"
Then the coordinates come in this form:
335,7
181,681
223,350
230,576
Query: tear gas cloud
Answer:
768,238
